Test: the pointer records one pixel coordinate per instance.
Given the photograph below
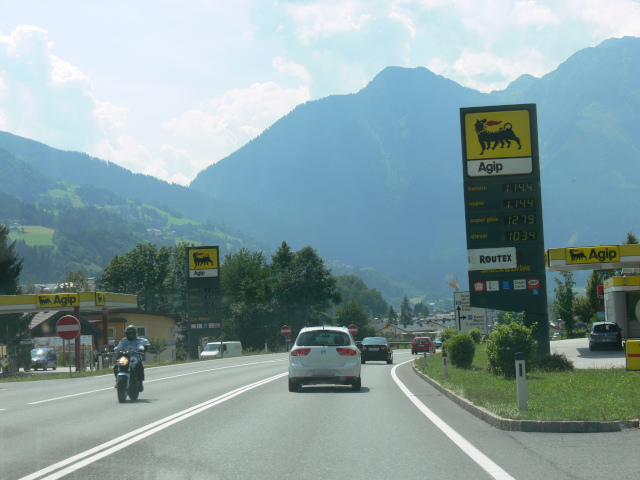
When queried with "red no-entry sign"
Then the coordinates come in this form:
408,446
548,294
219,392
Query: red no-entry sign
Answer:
353,329
68,327
285,330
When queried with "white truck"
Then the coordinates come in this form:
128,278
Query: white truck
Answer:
229,349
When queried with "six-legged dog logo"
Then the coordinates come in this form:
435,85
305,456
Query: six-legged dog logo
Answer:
504,134
201,259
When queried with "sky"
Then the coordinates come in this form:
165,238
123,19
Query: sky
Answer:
167,88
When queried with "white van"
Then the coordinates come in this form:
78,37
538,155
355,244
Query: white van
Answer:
229,349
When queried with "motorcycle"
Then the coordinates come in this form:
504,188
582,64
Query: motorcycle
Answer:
127,382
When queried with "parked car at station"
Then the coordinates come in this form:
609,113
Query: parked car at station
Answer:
44,358
376,348
605,334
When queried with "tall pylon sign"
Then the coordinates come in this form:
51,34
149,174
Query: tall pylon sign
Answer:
503,213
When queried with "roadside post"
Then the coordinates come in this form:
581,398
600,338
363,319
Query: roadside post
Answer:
445,367
521,381
424,358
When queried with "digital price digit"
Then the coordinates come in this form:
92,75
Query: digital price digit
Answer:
519,203
521,187
521,236
520,219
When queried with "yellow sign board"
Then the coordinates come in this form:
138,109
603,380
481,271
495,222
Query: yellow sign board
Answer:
503,134
203,258
100,297
53,301
605,254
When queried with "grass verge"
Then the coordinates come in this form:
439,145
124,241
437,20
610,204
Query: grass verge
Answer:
578,395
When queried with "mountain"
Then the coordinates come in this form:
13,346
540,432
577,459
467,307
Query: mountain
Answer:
375,178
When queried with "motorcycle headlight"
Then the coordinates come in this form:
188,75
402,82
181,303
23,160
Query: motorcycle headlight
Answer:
123,361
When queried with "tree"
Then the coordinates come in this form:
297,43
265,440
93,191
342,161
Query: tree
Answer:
140,272
392,315
75,282
421,308
351,287
157,346
405,311
247,307
353,313
631,238
304,290
155,275
12,326
563,304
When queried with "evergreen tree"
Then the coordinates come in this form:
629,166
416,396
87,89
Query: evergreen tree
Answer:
405,311
563,304
13,327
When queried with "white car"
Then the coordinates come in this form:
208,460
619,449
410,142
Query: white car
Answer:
324,355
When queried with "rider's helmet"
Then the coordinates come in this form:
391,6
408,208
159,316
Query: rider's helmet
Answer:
131,332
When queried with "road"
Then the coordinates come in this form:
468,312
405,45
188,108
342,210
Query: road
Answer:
577,349
234,418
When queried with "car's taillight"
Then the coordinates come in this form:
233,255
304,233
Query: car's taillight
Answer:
384,349
300,351
346,351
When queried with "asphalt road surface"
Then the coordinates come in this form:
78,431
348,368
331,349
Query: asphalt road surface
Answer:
234,418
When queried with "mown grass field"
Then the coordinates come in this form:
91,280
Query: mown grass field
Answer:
33,235
579,395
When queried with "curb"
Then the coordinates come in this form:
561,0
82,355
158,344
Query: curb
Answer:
529,425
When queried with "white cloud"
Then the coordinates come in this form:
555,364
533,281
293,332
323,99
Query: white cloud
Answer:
529,12
65,73
325,19
227,122
292,68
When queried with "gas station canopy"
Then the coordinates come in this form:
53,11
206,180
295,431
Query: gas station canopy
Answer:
593,258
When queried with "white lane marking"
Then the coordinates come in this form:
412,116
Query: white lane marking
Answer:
83,459
151,381
476,455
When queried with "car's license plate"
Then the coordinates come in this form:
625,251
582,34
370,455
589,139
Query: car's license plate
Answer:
373,349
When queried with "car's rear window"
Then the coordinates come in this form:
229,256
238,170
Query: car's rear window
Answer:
323,338
607,327
374,340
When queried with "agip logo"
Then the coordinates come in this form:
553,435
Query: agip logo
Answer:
503,134
203,262
581,255
58,300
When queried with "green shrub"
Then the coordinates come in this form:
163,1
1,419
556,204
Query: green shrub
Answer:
555,362
502,345
476,335
447,333
461,349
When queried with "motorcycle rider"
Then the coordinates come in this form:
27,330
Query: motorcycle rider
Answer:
131,342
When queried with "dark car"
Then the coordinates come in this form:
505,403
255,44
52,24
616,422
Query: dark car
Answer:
422,345
376,348
44,358
605,334
438,342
